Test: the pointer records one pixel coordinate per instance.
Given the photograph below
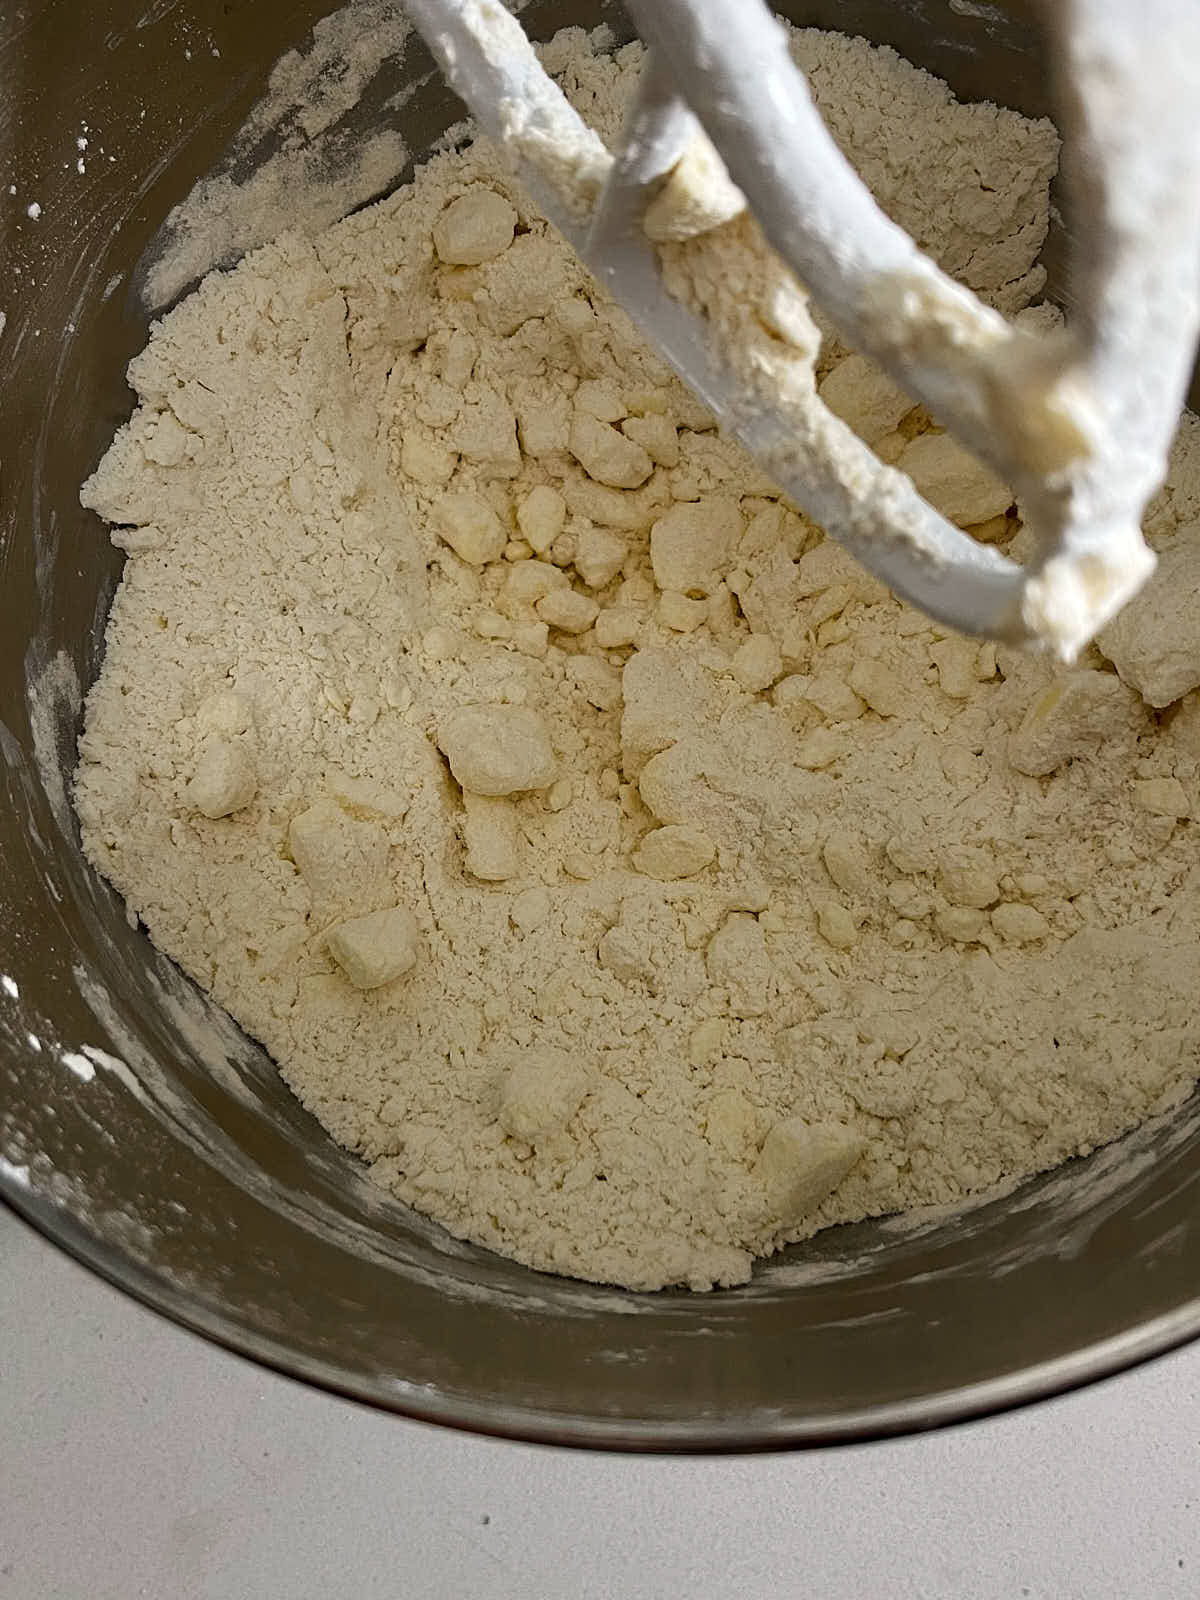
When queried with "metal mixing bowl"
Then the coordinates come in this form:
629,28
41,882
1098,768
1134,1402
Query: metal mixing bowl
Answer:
145,1135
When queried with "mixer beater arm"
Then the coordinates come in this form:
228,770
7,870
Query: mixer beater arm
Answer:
1078,425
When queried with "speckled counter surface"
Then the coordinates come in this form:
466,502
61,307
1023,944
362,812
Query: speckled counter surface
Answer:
138,1461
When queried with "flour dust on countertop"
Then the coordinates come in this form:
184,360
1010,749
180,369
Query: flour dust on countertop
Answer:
629,878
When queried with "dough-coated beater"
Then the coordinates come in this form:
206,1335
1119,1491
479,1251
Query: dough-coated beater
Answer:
1079,424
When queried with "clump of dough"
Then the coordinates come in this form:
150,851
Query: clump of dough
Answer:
698,195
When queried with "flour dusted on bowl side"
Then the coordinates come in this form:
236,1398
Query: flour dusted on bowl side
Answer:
601,853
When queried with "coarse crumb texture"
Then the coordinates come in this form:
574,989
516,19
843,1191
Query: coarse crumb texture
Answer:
601,853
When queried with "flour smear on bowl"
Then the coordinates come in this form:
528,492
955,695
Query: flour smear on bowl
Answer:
630,879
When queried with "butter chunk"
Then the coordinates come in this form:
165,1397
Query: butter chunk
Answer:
343,860
476,227
470,527
493,847
960,923
802,1163
532,639
540,517
376,949
540,1094
224,780
878,686
1019,924
836,925
966,883
956,660
599,556
820,749
616,628
952,480
629,510
756,663
528,582
829,694
848,863
425,460
676,851
865,398
692,545
601,398
1162,797
1154,643
605,454
657,436
225,712
737,959
681,615
497,750
568,610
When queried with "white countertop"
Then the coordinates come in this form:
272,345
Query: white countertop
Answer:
139,1461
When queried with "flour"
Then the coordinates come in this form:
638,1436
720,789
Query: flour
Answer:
630,879
319,163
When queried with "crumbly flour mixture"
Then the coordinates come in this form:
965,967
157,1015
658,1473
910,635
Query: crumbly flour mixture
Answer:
627,876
